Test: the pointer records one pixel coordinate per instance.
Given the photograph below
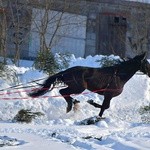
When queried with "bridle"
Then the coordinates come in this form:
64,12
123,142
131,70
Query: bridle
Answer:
144,67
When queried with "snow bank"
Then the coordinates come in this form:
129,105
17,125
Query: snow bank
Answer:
125,106
122,128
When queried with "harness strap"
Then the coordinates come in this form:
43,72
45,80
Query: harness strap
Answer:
113,75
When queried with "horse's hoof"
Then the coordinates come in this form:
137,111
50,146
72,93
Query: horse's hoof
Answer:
90,101
68,109
99,118
76,101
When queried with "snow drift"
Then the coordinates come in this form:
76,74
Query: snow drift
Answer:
122,128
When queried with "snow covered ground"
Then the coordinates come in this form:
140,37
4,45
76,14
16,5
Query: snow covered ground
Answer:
122,129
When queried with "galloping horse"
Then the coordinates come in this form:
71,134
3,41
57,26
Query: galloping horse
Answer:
107,81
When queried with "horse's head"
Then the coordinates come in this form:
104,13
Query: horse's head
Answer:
145,67
144,64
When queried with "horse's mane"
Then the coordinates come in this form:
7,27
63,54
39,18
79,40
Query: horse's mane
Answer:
127,62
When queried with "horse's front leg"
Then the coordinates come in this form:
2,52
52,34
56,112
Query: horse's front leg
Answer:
96,105
105,105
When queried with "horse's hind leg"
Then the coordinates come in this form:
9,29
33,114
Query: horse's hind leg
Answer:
69,101
76,105
66,94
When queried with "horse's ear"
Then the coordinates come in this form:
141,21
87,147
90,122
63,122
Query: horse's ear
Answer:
142,56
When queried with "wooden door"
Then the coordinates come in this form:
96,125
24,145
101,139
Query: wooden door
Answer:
111,37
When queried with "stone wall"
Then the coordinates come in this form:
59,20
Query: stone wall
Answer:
111,8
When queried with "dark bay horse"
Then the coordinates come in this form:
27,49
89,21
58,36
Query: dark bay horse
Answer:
107,81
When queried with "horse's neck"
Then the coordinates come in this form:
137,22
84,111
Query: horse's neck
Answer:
127,72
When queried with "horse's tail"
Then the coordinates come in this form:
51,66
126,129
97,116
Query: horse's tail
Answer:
45,86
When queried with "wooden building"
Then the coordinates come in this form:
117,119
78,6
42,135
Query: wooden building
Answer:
93,27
